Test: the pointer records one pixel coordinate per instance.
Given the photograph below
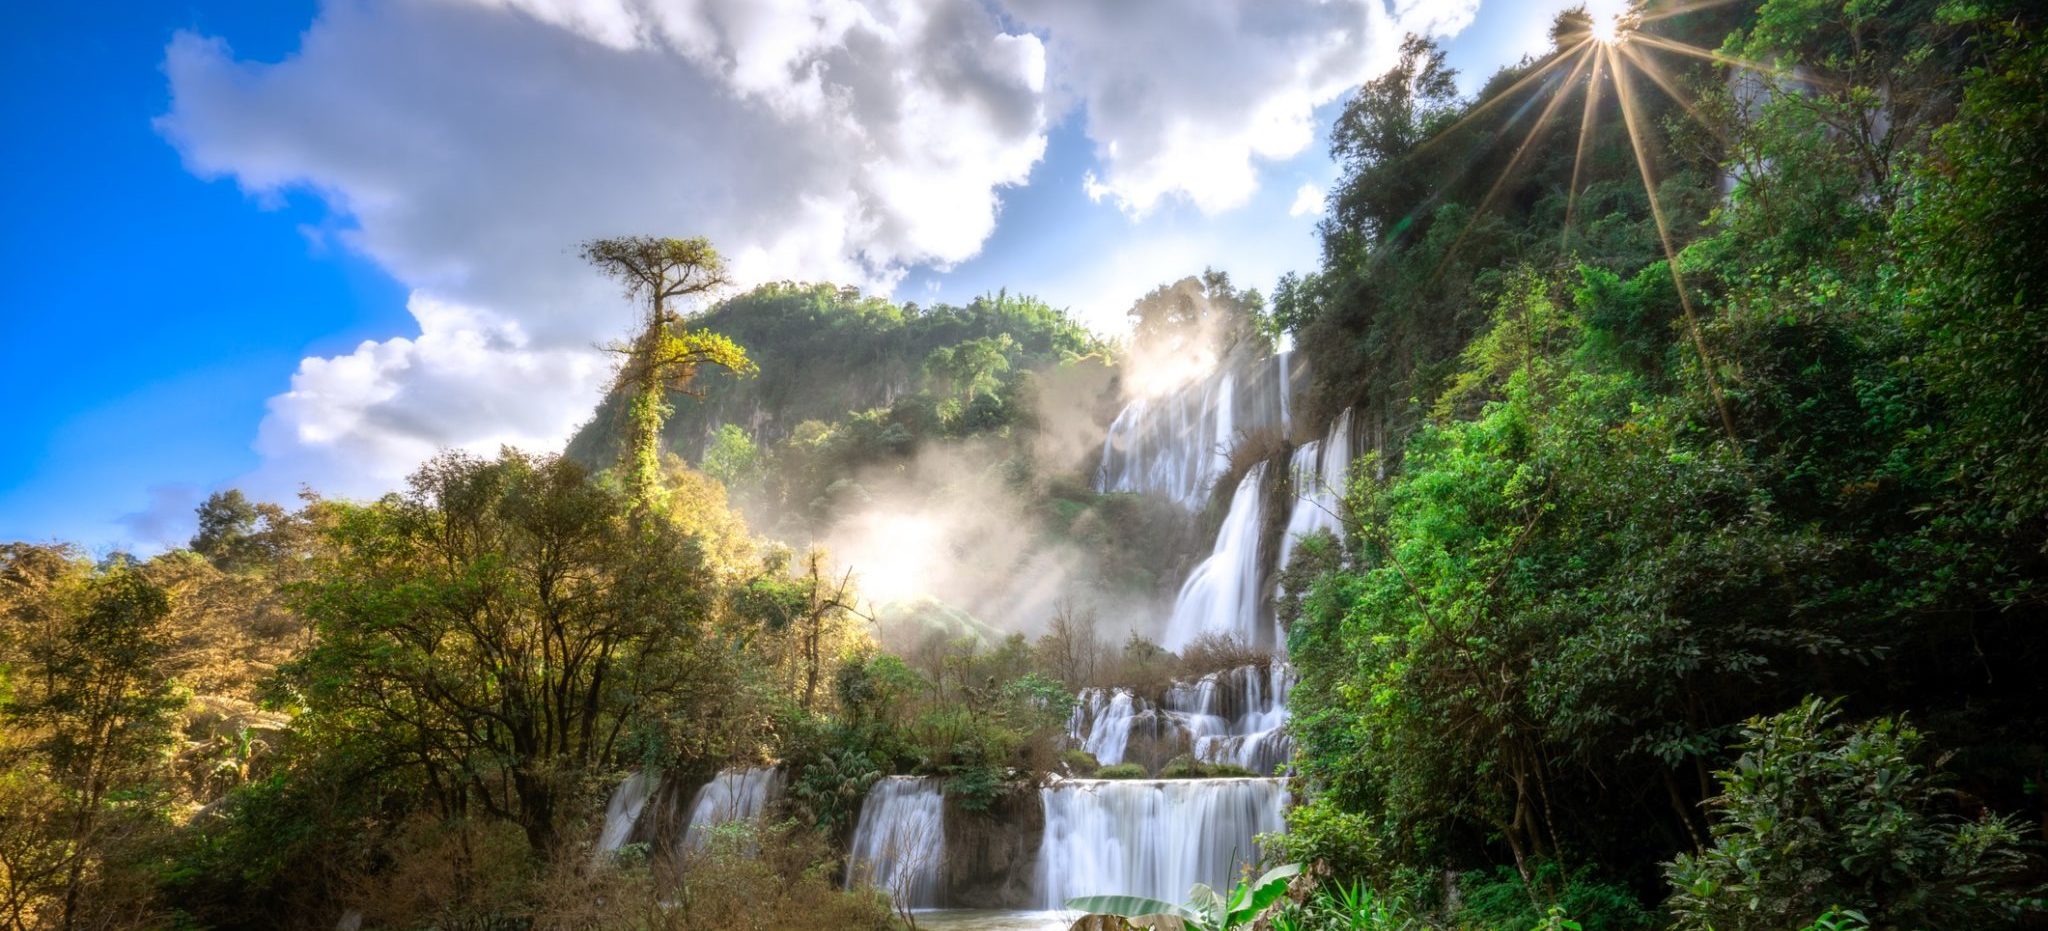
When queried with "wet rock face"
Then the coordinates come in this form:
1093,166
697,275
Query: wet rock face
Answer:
1156,738
991,856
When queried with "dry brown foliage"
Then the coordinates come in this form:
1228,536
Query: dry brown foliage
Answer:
1216,652
748,879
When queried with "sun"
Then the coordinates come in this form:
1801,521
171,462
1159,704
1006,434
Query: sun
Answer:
1608,30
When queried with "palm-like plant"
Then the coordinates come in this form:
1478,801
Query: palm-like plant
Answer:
1206,909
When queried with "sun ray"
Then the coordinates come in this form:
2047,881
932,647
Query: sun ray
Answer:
1514,161
1587,118
1463,170
1655,73
1723,58
1692,324
1682,9
1489,103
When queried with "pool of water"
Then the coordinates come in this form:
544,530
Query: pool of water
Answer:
954,919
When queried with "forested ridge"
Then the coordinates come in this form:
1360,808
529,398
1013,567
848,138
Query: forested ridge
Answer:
1689,573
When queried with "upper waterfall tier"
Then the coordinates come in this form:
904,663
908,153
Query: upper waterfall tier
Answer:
1154,838
1179,443
1320,469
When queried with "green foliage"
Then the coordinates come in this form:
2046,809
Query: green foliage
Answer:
1817,814
831,776
1350,907
1186,766
1838,919
502,626
1194,315
1122,771
1972,287
87,715
1553,614
663,357
824,351
1080,763
731,456
1499,898
236,533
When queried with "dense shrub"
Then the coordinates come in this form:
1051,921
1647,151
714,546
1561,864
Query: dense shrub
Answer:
1818,814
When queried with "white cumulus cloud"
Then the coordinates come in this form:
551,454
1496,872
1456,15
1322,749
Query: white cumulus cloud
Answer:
1187,97
467,146
1308,202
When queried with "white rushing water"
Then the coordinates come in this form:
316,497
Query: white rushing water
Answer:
1177,444
622,812
1237,716
899,843
1158,838
1155,838
1222,594
1102,722
1320,470
732,795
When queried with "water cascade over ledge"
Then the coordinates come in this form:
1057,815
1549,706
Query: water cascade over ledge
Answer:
622,812
1236,716
1177,444
1155,838
899,843
732,795
1222,594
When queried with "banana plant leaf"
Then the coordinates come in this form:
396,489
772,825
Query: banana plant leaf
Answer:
1129,906
1251,900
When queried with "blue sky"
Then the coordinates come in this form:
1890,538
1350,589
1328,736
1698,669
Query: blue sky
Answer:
162,285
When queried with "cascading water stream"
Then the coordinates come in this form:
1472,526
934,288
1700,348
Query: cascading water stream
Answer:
1320,470
1154,838
1158,838
732,795
1237,716
1176,445
899,843
1222,595
622,812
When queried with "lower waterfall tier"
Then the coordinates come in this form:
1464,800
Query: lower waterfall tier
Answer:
1155,838
1151,837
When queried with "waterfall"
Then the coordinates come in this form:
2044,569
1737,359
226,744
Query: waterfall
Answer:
623,811
1320,470
732,795
899,844
1154,838
1102,722
1177,444
1238,716
1222,594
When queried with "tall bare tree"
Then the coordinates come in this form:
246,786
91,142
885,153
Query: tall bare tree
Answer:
669,274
